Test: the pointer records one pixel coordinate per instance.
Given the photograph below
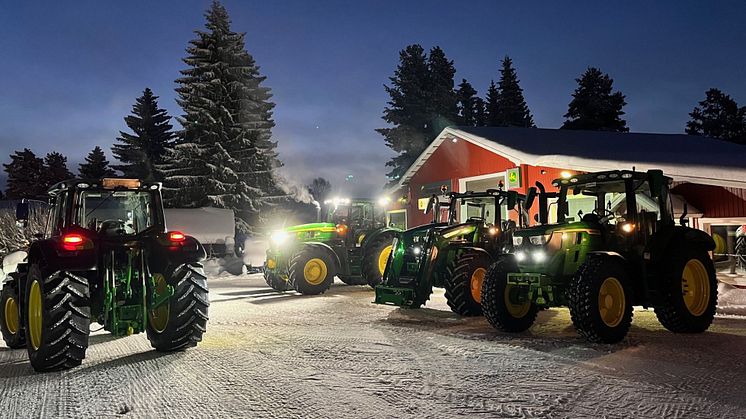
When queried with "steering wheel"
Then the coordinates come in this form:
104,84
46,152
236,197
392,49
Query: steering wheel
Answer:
605,216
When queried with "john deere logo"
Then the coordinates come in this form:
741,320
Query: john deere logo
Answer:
514,178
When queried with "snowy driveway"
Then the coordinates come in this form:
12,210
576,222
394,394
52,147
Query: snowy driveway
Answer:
273,355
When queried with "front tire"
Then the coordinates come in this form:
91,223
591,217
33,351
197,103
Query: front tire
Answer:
10,318
57,319
275,282
600,300
689,292
311,271
180,322
376,256
463,283
498,304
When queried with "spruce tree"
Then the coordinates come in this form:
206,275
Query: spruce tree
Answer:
718,116
55,169
480,115
96,166
26,175
594,106
491,106
511,110
407,111
225,156
443,100
141,151
468,104
320,189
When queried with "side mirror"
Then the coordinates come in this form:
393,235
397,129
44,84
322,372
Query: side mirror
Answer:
682,220
530,198
22,212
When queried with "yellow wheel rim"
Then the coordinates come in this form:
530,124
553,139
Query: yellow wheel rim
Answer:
475,283
35,315
517,310
315,271
160,315
695,287
611,302
11,315
383,258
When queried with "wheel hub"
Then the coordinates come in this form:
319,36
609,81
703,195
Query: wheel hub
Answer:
611,302
35,315
315,271
695,287
11,315
517,310
159,316
477,278
383,258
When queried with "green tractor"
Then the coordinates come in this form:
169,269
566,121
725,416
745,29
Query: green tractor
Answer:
454,254
106,257
619,248
353,243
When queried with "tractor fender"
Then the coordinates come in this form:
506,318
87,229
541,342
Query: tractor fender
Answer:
477,250
165,256
666,240
320,245
606,253
49,255
370,237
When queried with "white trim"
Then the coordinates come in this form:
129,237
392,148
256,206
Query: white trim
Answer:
704,175
462,181
388,216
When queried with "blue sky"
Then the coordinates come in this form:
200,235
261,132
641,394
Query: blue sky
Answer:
71,70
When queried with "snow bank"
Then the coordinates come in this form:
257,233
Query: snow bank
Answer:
731,300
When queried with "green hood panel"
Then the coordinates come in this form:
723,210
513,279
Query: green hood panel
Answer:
323,227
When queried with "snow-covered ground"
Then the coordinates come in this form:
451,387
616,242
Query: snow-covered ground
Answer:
338,355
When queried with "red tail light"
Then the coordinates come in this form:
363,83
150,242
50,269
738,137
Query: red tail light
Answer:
75,241
176,236
341,229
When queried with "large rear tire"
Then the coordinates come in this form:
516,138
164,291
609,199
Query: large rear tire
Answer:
463,283
600,300
180,322
10,318
376,257
497,299
57,319
311,270
689,291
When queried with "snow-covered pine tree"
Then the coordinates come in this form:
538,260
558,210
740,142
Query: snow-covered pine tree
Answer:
443,101
96,166
491,106
141,151
407,111
468,104
25,175
224,156
594,106
55,169
512,110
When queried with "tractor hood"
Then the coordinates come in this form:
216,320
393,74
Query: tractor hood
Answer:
545,249
302,233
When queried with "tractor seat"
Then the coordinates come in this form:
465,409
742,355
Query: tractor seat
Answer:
111,228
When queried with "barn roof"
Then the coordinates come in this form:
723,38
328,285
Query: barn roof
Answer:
686,158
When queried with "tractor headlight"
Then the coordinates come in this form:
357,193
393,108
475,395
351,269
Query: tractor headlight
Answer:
517,240
540,239
417,250
539,256
520,256
279,237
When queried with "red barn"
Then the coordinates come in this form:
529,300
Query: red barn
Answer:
709,174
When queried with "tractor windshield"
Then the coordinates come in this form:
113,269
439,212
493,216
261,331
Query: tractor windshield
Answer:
609,201
116,212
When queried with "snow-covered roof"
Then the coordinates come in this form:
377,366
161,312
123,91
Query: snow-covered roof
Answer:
685,158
